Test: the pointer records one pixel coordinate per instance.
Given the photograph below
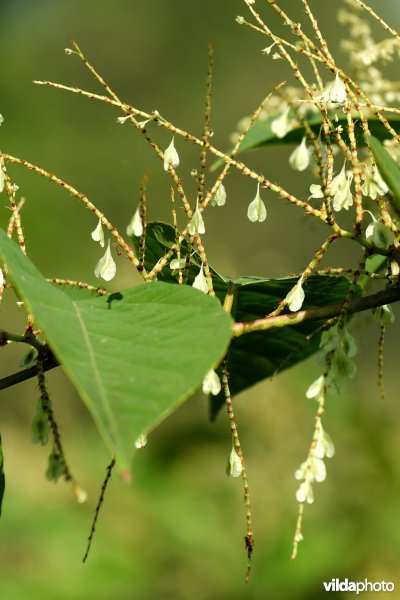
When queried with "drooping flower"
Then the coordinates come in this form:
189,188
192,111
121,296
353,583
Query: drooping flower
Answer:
200,282
305,493
171,156
316,389
219,197
383,314
282,124
141,442
324,446
211,383
378,234
256,210
135,226
341,190
177,263
374,185
106,267
98,234
295,298
335,91
316,191
235,466
300,157
196,225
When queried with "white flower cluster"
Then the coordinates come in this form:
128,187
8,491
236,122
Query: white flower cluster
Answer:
313,470
340,190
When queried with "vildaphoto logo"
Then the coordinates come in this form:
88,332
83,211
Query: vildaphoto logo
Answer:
336,585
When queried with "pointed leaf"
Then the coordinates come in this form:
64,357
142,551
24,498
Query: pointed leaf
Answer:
255,356
133,356
261,133
388,168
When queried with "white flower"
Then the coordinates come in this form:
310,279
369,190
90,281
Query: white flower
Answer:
1,279
316,389
341,190
383,314
106,267
373,185
249,2
268,49
235,466
200,282
276,56
196,225
324,445
282,124
171,156
1,119
378,234
177,263
141,442
135,226
305,493
211,383
334,91
239,20
316,191
98,234
300,157
295,298
318,470
79,494
219,197
256,210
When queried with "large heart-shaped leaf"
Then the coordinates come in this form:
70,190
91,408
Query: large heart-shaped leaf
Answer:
261,133
388,168
255,356
133,356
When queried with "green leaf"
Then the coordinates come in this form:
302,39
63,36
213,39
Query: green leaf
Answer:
388,168
2,477
134,356
258,355
261,133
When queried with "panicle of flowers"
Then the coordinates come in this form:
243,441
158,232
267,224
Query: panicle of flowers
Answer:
313,469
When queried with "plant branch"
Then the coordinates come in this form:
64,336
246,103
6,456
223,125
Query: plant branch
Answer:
318,314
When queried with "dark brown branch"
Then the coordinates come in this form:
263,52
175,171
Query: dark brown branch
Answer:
48,363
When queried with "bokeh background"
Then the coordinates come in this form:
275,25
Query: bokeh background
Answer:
177,532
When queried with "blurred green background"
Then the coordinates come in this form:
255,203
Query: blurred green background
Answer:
178,531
